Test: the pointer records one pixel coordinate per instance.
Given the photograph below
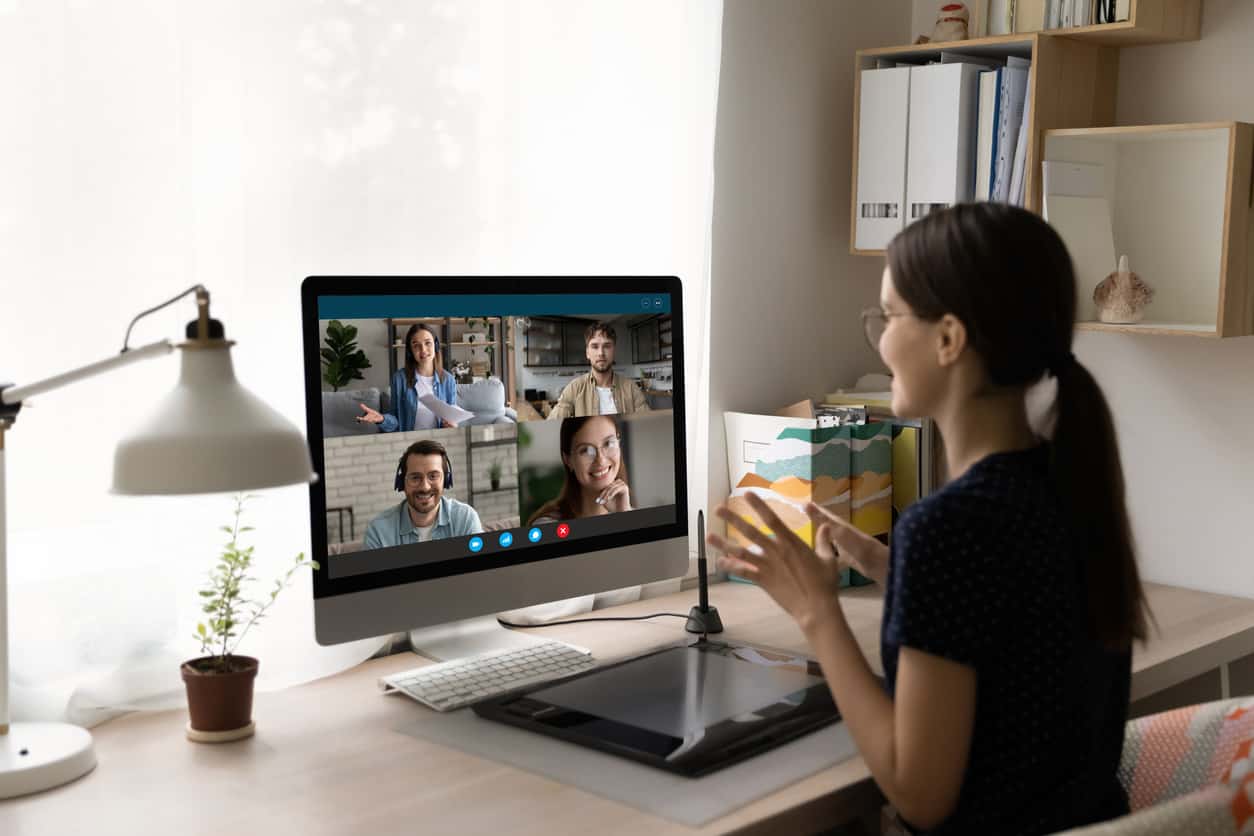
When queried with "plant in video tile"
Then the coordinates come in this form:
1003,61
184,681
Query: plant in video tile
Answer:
342,361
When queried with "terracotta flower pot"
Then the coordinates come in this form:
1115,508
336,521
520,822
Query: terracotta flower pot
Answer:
220,703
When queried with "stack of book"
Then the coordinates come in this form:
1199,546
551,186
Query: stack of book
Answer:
1002,133
1003,17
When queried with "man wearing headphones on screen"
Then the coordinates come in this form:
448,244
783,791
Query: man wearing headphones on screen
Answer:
423,474
600,391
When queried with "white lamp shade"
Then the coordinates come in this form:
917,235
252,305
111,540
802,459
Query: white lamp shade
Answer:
210,435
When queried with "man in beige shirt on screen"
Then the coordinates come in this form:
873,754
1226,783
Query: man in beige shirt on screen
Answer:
600,391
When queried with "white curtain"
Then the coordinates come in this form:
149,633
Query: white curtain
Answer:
150,145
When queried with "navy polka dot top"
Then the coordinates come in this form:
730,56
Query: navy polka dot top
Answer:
982,572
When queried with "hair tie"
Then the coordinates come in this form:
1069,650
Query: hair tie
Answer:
1061,363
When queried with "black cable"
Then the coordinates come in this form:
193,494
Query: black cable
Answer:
505,623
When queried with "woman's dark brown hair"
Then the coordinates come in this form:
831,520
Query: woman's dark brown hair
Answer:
1007,276
411,364
566,506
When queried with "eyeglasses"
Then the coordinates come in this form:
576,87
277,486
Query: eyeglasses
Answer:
419,478
588,452
875,323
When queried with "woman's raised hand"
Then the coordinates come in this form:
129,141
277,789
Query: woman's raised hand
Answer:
849,544
616,497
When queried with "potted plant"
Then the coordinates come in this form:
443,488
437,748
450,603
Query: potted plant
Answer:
342,360
220,683
494,473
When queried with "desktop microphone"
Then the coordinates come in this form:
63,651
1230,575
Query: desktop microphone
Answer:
703,618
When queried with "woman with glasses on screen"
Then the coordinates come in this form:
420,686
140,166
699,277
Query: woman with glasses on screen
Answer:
1011,595
596,477
423,374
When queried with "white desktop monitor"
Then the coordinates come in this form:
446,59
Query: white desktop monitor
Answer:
508,346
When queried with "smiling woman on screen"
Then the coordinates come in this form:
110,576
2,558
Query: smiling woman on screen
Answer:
596,477
423,374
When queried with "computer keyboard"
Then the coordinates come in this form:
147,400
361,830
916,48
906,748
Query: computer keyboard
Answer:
445,686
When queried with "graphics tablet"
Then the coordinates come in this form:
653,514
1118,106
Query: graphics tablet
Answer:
690,709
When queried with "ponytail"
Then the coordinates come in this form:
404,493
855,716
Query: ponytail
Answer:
1088,476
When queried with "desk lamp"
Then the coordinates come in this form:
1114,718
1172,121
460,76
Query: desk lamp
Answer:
209,435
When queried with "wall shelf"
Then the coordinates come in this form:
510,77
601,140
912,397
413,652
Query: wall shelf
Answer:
1179,200
1072,84
1149,22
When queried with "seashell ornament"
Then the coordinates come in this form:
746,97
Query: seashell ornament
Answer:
1122,297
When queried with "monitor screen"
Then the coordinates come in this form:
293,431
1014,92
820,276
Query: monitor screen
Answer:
465,425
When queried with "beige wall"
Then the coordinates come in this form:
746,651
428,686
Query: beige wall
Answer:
785,293
1184,408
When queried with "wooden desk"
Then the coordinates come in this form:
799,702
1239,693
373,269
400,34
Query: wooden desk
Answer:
327,758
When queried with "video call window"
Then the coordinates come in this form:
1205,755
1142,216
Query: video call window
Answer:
457,436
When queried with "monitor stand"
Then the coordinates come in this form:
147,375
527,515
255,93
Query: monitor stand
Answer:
469,637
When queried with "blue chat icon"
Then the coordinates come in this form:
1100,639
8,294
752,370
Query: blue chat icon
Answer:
506,540
476,543
534,535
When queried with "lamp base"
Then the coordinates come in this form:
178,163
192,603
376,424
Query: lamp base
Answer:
40,756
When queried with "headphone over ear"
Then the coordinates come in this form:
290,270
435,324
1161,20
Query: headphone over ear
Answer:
399,483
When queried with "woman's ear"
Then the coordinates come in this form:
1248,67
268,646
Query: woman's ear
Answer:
566,461
951,339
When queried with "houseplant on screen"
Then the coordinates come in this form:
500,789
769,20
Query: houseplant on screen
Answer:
342,361
220,683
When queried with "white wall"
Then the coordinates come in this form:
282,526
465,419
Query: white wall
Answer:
785,293
1184,408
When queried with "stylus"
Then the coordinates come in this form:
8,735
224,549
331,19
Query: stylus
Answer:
703,618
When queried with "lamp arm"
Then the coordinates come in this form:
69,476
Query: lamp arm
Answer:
16,394
202,299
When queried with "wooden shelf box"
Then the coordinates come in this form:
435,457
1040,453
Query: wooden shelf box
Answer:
1179,198
1075,74
1072,84
1149,22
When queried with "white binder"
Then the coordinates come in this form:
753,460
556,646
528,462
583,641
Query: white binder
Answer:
940,156
882,130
